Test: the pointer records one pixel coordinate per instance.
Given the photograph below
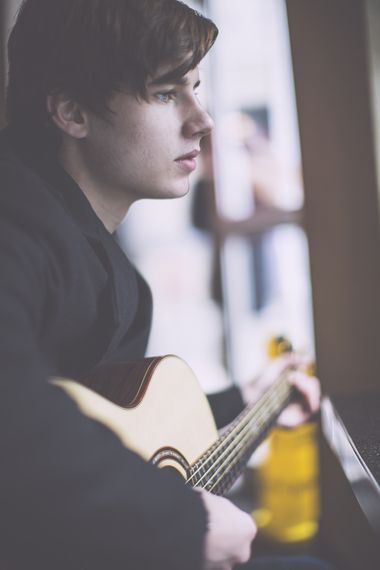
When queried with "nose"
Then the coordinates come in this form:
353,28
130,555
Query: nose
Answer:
198,123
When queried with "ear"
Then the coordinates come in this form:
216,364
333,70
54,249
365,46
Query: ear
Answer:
68,115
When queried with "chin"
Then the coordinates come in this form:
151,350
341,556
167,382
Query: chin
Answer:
182,190
174,192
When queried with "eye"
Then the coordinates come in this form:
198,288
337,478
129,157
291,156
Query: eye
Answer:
166,96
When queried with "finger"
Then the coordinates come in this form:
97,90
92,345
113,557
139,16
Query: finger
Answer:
309,389
244,555
252,528
292,416
294,361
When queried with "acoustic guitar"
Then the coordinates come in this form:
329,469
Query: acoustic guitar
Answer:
157,408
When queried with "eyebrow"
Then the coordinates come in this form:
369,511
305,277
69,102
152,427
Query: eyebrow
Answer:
166,80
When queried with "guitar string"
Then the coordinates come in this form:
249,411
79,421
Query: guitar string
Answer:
233,459
244,437
231,439
232,464
238,452
239,424
244,423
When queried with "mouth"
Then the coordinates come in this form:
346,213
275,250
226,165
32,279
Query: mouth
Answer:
187,162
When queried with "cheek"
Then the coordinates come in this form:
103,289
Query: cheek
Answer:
154,146
158,133
140,146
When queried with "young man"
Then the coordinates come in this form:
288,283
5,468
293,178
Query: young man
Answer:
103,111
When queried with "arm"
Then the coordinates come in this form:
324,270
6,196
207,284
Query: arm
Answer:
71,496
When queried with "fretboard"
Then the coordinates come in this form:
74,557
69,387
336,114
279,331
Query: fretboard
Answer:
221,464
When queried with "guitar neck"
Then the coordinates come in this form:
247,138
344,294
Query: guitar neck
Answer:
221,464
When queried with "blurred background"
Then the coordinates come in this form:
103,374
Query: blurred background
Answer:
279,234
229,264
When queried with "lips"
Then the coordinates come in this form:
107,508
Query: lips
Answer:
189,156
187,161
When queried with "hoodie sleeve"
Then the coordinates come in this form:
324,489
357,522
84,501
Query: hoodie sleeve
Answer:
71,496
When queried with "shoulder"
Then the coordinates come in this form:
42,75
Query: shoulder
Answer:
24,195
38,236
33,216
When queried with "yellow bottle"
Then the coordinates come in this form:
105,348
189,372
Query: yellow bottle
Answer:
287,478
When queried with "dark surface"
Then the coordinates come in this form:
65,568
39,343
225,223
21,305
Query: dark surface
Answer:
360,414
350,526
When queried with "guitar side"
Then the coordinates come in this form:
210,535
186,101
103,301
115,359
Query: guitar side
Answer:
171,424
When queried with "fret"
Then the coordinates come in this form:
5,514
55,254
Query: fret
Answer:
218,468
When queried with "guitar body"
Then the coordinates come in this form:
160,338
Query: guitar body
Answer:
156,408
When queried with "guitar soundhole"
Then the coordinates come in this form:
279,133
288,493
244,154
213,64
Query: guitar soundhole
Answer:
170,458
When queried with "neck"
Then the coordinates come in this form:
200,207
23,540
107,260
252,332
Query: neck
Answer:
221,464
110,206
110,214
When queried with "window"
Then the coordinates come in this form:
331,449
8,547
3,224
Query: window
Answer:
228,264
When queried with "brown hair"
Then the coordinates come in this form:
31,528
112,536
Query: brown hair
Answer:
90,48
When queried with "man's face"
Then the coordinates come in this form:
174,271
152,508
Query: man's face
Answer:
147,149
